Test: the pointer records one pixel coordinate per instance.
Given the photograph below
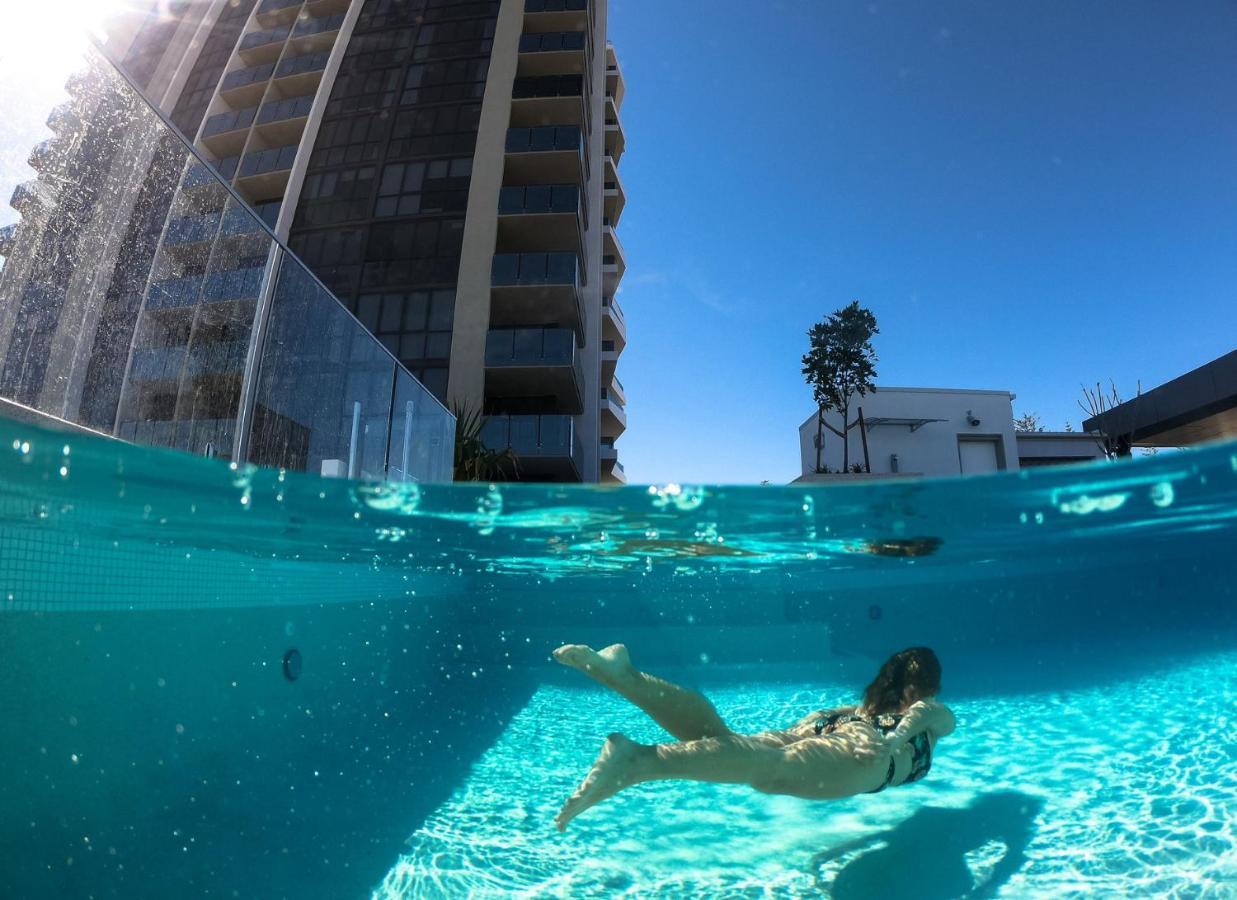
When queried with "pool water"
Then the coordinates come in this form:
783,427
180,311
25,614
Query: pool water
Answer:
230,682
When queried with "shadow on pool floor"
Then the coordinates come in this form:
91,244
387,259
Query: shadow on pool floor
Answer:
936,854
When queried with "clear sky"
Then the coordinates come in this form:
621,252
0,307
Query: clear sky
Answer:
1029,195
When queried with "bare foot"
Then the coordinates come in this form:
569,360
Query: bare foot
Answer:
606,665
614,770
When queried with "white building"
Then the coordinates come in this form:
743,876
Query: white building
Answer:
935,432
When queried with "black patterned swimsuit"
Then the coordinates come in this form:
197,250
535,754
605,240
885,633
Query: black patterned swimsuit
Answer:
921,745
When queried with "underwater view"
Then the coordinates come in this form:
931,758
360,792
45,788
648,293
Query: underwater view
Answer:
231,681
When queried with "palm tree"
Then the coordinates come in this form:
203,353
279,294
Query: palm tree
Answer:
474,461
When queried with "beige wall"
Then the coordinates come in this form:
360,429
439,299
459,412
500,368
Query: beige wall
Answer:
466,385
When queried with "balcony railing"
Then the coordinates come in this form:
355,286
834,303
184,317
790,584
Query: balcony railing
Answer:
27,192
546,86
536,199
545,139
530,347
261,162
298,65
539,6
244,77
233,120
611,397
201,175
264,37
307,27
270,6
191,229
282,110
513,269
552,41
63,117
236,284
543,445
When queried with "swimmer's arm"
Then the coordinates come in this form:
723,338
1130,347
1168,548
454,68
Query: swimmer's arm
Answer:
926,715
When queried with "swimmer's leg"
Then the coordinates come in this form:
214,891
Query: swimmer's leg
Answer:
814,768
684,713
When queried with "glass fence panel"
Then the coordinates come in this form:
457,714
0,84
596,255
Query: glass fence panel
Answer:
134,283
422,434
323,398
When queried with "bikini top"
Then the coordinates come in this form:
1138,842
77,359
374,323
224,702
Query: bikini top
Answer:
886,724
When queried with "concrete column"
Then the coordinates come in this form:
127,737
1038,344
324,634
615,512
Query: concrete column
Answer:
466,385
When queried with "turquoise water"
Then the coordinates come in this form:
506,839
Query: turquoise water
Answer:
245,683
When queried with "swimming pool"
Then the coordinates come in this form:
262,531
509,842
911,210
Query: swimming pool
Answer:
260,684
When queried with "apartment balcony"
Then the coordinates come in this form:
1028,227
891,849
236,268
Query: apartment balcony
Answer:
553,53
46,155
277,12
246,87
613,322
190,236
282,122
546,447
312,35
190,231
611,469
225,133
264,173
610,352
534,362
557,15
616,139
541,288
540,217
217,287
545,155
264,46
204,178
174,363
613,414
614,195
613,261
298,75
548,100
30,195
8,236
64,119
616,85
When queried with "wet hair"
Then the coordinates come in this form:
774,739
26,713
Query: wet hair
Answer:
916,667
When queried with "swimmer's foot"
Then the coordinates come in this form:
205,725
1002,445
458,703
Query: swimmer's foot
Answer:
607,666
616,768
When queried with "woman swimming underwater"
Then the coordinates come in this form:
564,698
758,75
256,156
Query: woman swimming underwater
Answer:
886,740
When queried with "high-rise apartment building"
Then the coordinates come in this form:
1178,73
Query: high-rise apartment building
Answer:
447,168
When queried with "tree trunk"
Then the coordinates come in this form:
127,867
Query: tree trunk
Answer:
820,435
863,433
845,438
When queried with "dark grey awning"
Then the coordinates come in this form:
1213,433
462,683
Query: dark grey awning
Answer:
913,424
1199,406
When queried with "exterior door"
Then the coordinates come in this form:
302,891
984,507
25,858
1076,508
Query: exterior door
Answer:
975,457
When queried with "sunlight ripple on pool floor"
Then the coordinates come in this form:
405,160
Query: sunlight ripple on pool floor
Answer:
1107,791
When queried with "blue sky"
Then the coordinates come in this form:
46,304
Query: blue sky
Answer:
1028,195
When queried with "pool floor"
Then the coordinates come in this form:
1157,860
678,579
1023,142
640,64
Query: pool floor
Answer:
1122,788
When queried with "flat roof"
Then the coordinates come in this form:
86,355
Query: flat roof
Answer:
1198,406
926,390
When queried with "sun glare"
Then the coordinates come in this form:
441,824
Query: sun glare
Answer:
45,39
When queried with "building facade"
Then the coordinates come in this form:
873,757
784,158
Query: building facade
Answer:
934,432
447,169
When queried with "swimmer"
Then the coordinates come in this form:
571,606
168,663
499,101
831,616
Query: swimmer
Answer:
885,741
